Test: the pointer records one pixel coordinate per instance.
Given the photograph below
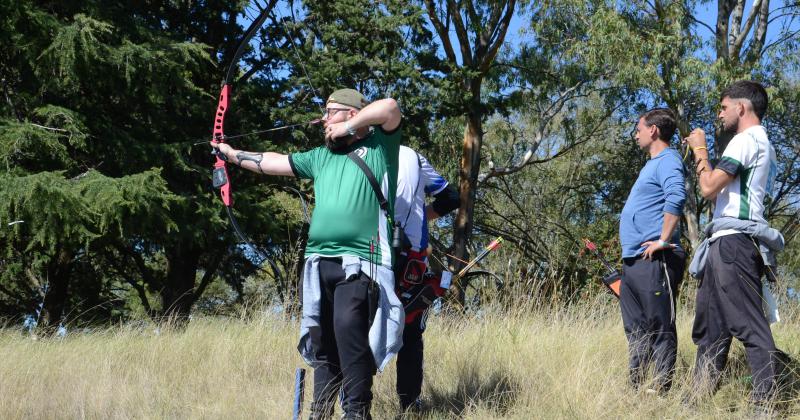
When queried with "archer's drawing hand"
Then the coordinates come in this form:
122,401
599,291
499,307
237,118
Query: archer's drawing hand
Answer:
336,130
697,138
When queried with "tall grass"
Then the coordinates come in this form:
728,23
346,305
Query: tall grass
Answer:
526,362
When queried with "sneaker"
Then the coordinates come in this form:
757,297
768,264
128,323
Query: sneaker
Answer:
416,406
690,401
413,407
761,411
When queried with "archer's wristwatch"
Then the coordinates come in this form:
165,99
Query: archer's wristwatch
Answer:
350,130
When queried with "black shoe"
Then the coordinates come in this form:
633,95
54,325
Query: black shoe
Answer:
690,401
762,411
416,406
359,415
413,406
359,412
320,411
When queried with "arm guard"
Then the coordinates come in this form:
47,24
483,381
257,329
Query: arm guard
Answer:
446,201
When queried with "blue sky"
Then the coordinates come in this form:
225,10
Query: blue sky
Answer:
705,11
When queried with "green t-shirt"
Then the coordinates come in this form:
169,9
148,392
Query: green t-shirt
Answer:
347,215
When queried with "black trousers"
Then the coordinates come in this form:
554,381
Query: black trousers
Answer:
343,343
410,360
648,294
729,304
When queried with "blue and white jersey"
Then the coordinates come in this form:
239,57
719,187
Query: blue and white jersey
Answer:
416,178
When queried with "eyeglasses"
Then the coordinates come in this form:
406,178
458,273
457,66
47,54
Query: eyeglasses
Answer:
329,112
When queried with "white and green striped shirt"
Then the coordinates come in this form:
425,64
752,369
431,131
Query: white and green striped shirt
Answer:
751,158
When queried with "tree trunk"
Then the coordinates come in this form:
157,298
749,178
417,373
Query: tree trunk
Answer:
468,180
177,295
691,213
56,293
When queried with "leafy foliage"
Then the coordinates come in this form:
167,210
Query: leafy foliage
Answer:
105,110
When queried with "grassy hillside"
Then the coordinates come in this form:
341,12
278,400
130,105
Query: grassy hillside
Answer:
543,363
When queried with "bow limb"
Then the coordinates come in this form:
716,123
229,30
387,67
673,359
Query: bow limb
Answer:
220,176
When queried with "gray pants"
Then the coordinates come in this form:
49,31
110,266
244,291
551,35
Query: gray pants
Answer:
647,299
729,304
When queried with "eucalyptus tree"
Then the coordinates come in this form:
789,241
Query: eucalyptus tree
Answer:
662,51
480,29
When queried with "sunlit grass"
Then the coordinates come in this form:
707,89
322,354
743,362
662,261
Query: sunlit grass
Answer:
524,363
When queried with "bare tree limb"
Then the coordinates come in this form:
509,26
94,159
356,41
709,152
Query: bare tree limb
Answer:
736,24
701,23
754,12
781,40
527,157
774,17
60,130
208,276
461,33
501,35
724,8
754,52
444,34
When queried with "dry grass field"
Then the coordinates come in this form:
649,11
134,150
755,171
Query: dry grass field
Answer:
527,363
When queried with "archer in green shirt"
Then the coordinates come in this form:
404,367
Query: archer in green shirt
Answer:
346,214
337,308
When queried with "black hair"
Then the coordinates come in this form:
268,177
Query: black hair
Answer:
664,119
750,90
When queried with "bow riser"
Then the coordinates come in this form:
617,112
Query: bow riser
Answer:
220,174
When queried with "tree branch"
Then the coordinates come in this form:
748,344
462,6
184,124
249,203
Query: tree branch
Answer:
723,17
754,12
495,47
140,289
526,160
444,35
754,52
546,117
208,276
701,23
736,24
138,261
786,37
461,33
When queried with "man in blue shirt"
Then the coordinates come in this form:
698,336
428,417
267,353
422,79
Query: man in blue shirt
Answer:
653,261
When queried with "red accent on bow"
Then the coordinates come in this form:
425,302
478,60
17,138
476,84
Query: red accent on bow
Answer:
220,173
219,136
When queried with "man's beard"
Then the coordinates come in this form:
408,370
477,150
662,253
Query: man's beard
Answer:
726,133
337,144
729,130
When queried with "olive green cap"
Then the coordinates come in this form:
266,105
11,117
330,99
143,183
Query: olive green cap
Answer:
349,97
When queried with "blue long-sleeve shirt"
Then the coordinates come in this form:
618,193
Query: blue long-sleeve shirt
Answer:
659,189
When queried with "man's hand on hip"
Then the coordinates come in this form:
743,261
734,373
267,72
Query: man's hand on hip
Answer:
655,246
